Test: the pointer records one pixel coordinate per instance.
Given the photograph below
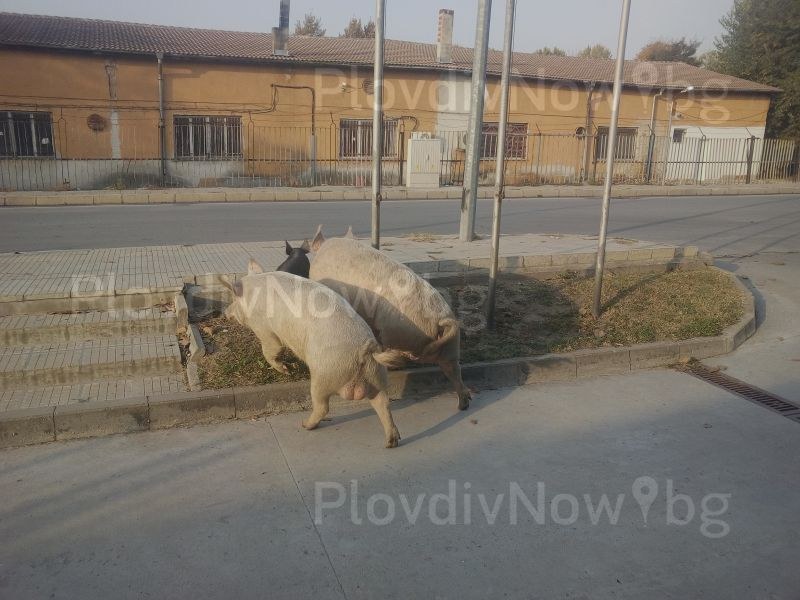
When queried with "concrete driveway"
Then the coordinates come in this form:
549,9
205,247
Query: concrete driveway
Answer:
263,509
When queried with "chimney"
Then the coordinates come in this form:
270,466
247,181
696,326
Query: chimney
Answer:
283,22
444,36
280,34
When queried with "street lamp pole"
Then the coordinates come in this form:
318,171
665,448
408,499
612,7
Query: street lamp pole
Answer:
469,197
377,122
610,155
500,165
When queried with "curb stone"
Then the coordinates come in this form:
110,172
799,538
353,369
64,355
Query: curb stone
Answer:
197,349
190,408
38,425
203,195
74,421
27,426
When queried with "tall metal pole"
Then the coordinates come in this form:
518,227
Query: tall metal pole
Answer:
610,155
500,165
668,141
469,198
162,138
377,122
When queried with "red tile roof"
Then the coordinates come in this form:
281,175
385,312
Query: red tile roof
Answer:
66,33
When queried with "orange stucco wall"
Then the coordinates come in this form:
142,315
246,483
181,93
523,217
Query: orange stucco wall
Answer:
124,91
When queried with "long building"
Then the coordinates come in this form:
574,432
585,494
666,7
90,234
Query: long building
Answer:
89,103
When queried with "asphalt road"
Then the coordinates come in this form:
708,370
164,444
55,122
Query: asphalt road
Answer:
723,225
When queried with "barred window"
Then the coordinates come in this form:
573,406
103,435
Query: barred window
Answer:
204,137
626,143
516,140
26,134
355,138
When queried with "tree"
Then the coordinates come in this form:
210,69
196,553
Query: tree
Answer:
596,51
554,51
761,42
356,29
310,25
681,50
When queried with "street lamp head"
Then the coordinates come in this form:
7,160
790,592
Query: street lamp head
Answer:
688,89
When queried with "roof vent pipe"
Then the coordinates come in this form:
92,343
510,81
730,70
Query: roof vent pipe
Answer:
444,37
280,34
283,21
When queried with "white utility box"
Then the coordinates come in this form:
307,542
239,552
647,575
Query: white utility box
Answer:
424,160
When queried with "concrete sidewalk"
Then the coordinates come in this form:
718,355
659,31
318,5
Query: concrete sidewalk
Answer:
327,193
230,510
57,275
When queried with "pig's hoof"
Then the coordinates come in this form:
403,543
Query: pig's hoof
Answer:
394,440
463,400
309,425
281,368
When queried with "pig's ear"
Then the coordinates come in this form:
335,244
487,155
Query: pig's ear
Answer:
306,247
288,248
318,240
350,235
253,268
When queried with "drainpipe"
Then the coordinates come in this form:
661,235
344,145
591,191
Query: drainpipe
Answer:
162,138
652,145
587,133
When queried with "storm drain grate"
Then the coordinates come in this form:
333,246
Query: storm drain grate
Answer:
742,389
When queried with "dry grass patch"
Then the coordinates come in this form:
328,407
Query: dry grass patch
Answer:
539,317
421,236
233,358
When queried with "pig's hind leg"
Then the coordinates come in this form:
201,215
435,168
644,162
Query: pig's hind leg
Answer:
380,402
452,370
320,397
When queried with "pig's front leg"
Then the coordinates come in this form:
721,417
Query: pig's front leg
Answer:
380,402
320,397
271,347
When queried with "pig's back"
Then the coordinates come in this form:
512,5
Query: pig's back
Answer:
402,308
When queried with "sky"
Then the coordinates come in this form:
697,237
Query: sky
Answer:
569,24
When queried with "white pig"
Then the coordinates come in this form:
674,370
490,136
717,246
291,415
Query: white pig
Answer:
405,312
324,331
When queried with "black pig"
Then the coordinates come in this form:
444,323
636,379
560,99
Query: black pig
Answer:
297,263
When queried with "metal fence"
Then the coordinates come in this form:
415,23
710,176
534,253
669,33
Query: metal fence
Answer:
555,158
202,151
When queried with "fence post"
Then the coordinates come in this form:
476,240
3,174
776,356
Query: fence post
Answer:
313,143
401,151
797,161
750,152
651,150
538,156
587,132
698,174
